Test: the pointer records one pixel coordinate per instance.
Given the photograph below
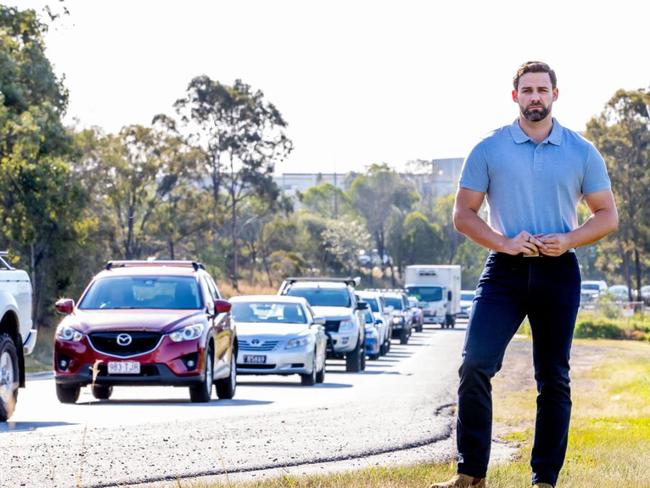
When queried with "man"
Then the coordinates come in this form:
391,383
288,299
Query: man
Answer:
534,173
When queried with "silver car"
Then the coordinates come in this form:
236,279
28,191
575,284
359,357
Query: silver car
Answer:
279,335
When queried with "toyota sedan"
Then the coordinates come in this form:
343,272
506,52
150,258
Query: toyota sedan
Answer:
279,335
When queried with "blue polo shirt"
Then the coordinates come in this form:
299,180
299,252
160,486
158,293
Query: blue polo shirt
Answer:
534,186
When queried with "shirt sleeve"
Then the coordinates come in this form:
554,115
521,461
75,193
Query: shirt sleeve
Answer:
474,175
595,177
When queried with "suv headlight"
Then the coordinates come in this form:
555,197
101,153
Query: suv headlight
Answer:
346,325
187,333
297,342
399,319
66,333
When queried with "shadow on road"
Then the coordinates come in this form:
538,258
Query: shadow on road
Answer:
30,426
285,384
174,402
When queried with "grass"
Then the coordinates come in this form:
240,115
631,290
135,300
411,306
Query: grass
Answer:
609,442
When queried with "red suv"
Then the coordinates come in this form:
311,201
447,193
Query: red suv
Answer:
146,323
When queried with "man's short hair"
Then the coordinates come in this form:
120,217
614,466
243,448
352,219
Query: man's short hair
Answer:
534,67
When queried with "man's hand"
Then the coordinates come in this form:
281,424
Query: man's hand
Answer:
554,244
524,242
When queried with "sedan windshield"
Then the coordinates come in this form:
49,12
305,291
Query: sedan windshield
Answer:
142,292
372,302
323,297
425,293
267,312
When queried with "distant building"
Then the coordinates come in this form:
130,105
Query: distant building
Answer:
433,179
291,183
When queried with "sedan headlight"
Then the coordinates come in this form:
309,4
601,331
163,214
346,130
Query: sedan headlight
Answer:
66,333
297,342
398,319
346,325
187,333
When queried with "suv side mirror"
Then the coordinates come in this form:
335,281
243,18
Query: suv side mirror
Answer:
222,306
64,305
362,306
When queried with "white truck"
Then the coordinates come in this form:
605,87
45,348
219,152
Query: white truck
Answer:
17,337
437,290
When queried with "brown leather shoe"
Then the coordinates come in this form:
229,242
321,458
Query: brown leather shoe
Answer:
461,481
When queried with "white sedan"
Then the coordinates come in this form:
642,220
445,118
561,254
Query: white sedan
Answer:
279,335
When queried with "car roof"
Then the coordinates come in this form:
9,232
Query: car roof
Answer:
268,298
318,284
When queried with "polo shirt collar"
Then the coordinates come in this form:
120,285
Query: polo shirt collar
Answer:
519,136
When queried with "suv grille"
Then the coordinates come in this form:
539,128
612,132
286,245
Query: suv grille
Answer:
261,346
332,325
141,343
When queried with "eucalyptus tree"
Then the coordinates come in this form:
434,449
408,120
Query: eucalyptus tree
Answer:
622,134
376,195
242,136
40,200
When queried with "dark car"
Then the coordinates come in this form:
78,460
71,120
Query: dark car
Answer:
146,323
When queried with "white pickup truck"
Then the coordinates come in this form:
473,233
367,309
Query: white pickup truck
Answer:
17,338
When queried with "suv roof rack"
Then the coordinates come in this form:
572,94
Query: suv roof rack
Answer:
153,263
348,281
354,282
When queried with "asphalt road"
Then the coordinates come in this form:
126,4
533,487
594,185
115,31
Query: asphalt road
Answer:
154,434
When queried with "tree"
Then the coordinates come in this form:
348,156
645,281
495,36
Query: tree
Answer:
344,239
376,195
327,201
41,203
242,136
622,134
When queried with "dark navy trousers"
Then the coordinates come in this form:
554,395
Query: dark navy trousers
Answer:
547,290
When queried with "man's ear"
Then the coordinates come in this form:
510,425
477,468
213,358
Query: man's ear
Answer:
515,96
556,92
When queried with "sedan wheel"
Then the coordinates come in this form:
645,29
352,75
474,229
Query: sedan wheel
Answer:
309,379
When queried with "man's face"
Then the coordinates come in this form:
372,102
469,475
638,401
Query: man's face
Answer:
535,96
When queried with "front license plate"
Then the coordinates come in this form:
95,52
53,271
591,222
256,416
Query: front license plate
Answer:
254,359
123,367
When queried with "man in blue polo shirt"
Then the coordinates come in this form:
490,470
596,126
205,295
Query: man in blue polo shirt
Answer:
533,172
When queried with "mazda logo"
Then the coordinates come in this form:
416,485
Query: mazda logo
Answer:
255,342
124,340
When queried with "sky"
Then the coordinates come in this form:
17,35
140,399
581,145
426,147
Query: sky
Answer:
359,82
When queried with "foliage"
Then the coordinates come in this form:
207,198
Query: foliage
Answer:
622,134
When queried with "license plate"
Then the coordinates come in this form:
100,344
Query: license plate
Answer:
254,359
123,367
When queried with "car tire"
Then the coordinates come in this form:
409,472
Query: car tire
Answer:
226,387
320,376
363,358
102,392
373,357
353,359
404,336
309,379
68,393
202,392
9,375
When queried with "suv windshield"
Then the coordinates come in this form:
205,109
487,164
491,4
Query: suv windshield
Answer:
323,297
267,312
425,293
394,302
147,292
590,286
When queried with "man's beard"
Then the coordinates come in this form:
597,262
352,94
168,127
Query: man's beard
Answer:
536,114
